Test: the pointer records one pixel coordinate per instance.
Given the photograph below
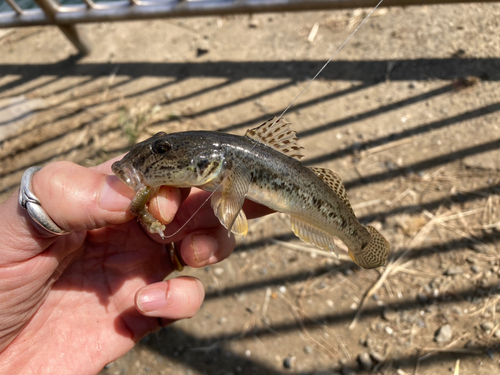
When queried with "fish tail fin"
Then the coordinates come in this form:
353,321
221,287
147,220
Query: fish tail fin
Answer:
375,253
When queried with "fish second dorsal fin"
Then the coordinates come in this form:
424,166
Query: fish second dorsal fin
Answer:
277,134
333,180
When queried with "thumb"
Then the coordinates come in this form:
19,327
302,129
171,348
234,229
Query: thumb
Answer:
81,199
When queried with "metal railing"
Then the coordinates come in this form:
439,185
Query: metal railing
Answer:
66,17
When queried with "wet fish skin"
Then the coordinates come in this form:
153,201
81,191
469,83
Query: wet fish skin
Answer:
247,168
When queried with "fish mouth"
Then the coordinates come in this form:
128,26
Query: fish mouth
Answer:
128,174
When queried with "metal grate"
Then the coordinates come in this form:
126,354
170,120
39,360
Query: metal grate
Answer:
52,12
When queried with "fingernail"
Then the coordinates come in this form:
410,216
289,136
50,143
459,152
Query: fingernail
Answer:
204,247
164,208
115,195
149,300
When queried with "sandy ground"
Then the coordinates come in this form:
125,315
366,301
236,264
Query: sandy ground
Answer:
407,114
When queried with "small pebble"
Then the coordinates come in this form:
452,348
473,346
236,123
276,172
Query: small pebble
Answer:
487,326
443,334
377,357
452,271
282,289
348,272
456,310
218,271
240,297
253,24
422,297
388,330
389,314
475,268
401,372
469,344
432,308
370,342
289,361
365,361
200,51
497,333
308,349
248,353
471,260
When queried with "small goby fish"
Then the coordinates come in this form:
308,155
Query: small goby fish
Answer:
262,166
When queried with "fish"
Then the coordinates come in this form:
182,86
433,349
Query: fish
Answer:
263,166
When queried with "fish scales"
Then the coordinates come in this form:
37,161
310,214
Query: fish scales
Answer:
285,185
262,166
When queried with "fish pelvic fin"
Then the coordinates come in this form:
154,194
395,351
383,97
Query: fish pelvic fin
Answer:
374,254
334,181
277,134
312,235
227,201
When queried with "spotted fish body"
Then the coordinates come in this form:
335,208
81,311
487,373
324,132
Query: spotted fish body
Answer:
262,166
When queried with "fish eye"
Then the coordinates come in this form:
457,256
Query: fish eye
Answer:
161,146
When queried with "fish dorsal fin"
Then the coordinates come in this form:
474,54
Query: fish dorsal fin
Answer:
333,180
310,234
277,134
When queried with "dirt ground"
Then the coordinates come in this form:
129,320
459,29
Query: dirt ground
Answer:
407,114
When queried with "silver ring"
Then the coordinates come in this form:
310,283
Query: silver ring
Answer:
32,205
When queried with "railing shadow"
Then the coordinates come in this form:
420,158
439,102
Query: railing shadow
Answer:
367,74
343,70
168,340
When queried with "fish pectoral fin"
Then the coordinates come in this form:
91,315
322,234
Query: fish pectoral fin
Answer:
240,225
312,235
228,200
333,180
277,134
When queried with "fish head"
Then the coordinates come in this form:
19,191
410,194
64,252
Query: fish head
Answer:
178,159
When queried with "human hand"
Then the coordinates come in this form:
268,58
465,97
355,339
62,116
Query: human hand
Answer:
73,303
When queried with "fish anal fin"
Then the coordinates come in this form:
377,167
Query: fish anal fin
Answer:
312,235
277,134
228,200
333,180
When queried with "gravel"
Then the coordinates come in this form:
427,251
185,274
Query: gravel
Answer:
289,361
377,357
443,334
452,271
475,268
389,314
308,349
365,361
487,326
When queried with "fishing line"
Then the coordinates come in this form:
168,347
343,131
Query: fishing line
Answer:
329,61
280,116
